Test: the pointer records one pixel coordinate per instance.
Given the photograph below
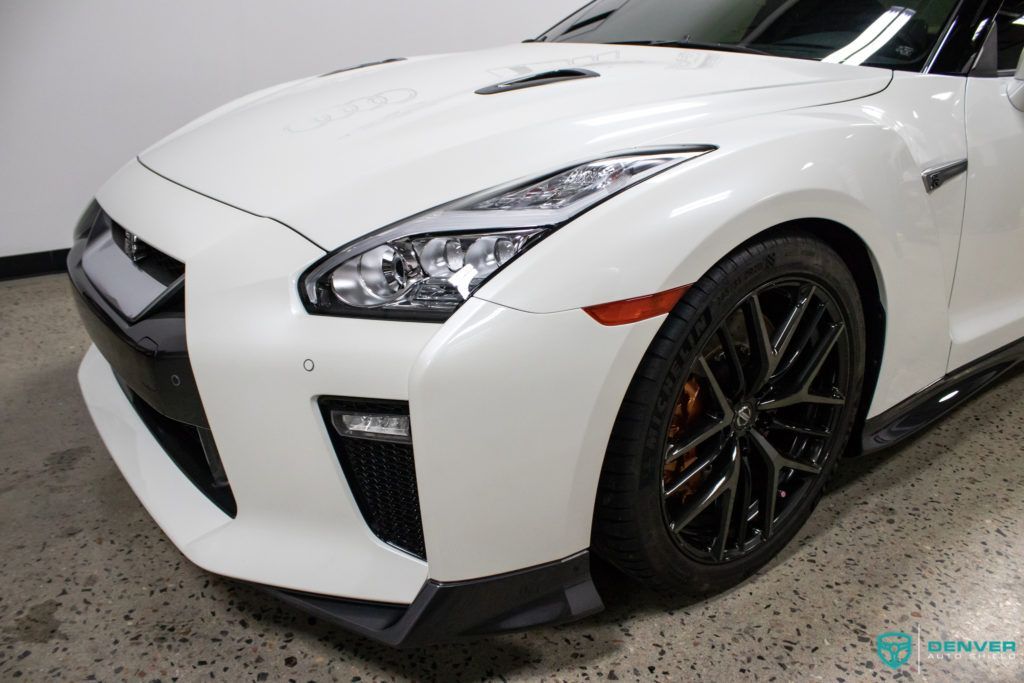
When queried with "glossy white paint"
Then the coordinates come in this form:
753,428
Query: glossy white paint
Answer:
988,304
297,524
248,339
341,156
511,416
858,164
513,399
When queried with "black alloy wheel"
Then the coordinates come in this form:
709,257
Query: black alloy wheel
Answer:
735,419
765,399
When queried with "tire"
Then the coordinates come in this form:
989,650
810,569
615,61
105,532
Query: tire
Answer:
640,525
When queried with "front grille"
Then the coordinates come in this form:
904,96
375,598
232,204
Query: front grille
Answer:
158,265
135,278
134,311
381,475
192,449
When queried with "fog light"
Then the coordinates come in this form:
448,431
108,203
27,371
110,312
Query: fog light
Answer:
393,428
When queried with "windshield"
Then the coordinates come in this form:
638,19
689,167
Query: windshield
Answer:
866,32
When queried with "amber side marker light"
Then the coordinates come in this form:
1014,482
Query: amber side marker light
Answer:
635,310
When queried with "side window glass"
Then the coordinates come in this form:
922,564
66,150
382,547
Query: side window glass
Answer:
1011,34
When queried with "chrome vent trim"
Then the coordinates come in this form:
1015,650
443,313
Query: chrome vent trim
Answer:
538,79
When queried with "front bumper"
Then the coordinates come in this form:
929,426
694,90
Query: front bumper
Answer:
511,414
552,593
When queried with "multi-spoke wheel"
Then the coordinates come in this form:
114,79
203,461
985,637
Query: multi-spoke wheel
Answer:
768,382
723,445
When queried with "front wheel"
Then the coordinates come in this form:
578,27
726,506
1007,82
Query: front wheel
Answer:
735,418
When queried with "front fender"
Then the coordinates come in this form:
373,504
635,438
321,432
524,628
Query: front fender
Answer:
858,164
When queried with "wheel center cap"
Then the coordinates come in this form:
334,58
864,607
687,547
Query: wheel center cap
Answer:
744,417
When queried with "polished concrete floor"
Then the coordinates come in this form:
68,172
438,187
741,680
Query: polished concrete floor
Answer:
929,537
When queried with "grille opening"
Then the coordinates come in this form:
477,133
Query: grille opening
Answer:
135,278
158,265
190,448
381,475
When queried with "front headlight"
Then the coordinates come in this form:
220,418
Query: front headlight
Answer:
425,267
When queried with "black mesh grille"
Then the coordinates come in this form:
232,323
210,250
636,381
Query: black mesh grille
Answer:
382,477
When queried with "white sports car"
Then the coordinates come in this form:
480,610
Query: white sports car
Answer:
405,343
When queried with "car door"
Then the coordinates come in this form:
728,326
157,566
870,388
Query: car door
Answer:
987,306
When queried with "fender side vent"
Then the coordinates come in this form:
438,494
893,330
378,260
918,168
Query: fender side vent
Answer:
535,80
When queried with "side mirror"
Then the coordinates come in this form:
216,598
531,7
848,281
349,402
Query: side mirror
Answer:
1016,91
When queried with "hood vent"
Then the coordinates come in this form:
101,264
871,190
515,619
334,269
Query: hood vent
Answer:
535,80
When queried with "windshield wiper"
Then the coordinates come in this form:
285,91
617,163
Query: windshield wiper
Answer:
719,47
589,21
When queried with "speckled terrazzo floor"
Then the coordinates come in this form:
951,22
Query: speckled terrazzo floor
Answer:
930,536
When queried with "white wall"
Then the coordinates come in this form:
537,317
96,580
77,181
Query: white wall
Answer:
86,84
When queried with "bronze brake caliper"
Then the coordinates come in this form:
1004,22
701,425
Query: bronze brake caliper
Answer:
685,414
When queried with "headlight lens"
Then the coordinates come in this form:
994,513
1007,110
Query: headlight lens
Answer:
424,273
424,268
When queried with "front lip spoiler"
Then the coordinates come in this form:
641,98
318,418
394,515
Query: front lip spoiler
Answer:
547,594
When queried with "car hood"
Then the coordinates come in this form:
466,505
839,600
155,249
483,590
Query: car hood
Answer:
338,156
